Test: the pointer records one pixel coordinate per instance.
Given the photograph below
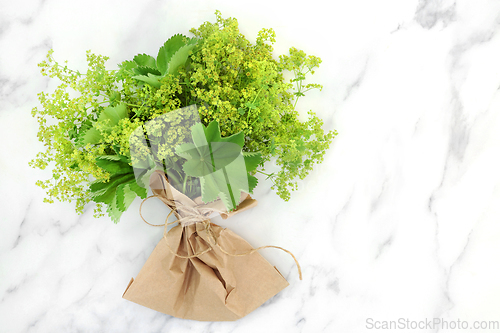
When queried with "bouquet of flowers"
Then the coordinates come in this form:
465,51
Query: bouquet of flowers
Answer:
193,125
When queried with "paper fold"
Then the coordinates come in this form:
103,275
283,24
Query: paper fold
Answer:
214,286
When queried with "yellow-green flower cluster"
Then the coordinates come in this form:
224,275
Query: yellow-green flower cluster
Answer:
242,86
232,81
58,118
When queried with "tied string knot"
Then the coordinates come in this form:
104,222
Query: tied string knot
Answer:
192,215
187,215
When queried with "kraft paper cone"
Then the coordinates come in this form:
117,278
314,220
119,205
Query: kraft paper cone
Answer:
214,286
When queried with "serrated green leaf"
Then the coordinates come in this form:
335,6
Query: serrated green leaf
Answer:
120,197
200,161
252,160
238,138
222,168
192,41
145,60
209,187
172,45
98,188
142,192
212,132
252,183
110,116
237,176
113,212
144,70
150,79
83,127
197,167
224,153
124,196
142,179
187,151
198,135
227,201
176,166
130,196
128,65
179,58
91,136
121,158
105,191
112,166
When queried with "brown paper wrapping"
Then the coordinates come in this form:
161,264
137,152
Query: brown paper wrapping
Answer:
214,286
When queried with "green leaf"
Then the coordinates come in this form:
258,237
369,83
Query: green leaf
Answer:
209,186
198,134
145,60
117,157
227,201
140,190
300,145
118,193
219,163
91,136
120,198
179,58
75,166
145,70
124,196
252,160
112,166
250,105
100,187
198,167
105,191
112,115
237,177
187,151
192,41
201,162
113,212
79,132
172,45
128,65
72,133
238,138
224,153
175,166
212,134
150,79
252,183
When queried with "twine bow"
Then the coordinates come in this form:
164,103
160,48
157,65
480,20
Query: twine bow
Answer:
198,214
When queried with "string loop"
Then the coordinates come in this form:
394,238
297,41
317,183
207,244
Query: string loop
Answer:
191,215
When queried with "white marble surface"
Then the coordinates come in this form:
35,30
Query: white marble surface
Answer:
401,220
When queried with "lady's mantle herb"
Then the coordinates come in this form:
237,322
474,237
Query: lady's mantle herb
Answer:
234,82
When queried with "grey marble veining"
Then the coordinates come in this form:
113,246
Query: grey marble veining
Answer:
399,222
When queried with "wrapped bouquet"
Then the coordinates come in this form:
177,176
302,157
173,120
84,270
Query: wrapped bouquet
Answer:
192,126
